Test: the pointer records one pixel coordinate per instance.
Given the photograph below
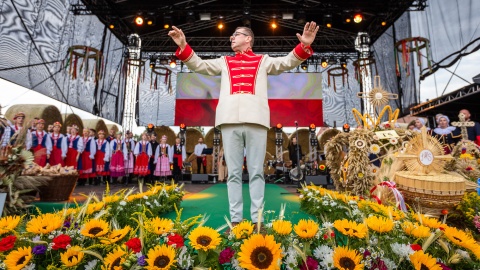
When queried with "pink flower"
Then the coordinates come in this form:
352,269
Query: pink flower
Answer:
311,264
226,255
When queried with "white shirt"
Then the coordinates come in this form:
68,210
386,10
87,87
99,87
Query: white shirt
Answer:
199,149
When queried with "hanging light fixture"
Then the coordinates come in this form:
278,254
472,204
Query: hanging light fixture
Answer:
173,63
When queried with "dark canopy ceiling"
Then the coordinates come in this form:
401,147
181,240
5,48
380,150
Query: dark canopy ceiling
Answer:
204,35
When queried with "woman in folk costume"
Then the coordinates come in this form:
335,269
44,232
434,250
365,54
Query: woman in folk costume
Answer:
41,144
447,135
130,162
419,123
142,152
179,156
85,163
59,146
75,147
102,157
162,158
118,149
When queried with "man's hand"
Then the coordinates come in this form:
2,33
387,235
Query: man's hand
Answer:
178,37
309,32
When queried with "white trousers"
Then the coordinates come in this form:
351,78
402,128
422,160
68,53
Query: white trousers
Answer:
254,138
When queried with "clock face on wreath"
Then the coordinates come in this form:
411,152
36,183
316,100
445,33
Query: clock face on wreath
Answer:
426,157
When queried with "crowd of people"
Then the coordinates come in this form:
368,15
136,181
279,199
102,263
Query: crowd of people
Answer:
99,157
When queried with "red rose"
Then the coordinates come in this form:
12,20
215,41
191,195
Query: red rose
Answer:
416,247
444,212
175,239
61,242
7,243
134,244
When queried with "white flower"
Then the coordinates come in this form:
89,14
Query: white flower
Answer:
463,253
325,203
389,264
301,196
91,265
402,250
123,203
374,148
236,264
184,258
327,225
333,203
29,267
393,141
51,236
321,252
145,197
309,194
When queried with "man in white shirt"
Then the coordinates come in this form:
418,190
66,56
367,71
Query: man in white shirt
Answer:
201,158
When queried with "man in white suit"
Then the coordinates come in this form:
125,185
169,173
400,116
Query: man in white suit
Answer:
242,112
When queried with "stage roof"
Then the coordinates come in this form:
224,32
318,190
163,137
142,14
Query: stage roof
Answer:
204,35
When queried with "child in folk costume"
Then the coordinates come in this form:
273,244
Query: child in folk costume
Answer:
85,164
179,156
162,158
75,147
130,161
118,150
59,146
102,157
41,144
142,152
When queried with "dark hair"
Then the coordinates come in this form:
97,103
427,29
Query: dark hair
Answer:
249,32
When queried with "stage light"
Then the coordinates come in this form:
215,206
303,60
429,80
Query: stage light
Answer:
358,18
139,20
343,62
150,21
205,16
273,24
324,62
153,61
183,127
346,128
167,21
287,16
279,127
173,63
332,60
247,18
312,127
327,20
111,26
220,23
304,66
384,23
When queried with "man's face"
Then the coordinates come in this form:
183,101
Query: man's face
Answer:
91,133
200,140
177,140
239,40
50,128
294,140
112,132
19,121
153,137
466,113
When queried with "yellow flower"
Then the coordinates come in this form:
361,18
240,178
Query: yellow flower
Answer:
8,223
72,256
204,238
95,207
422,261
160,257
243,230
70,211
282,227
159,225
306,229
346,259
19,258
459,237
114,260
351,228
428,221
111,199
116,235
95,228
44,224
379,224
260,252
416,230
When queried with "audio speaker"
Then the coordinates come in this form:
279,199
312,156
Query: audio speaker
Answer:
318,180
199,178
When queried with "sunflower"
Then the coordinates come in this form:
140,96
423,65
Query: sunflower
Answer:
243,230
306,228
428,221
72,257
114,259
282,227
111,199
116,235
351,228
379,224
260,252
416,230
95,207
95,228
45,223
459,238
160,257
19,258
346,259
160,225
374,148
204,238
422,261
8,223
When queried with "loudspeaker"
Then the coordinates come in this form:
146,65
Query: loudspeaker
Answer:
202,178
318,180
476,79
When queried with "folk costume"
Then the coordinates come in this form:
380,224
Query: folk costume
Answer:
179,156
8,137
163,157
130,161
118,150
142,152
41,145
102,156
59,147
75,147
448,137
151,163
201,159
243,114
85,162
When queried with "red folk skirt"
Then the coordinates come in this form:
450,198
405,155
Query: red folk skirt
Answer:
56,157
100,164
117,165
179,160
71,159
141,165
40,155
86,169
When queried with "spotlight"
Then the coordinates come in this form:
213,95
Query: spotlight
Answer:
205,16
111,26
327,20
153,60
287,16
343,62
190,17
167,21
312,127
304,66
247,19
384,23
279,127
183,127
273,24
324,62
220,23
173,63
150,21
347,17
139,20
358,18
